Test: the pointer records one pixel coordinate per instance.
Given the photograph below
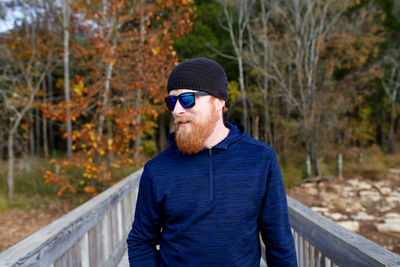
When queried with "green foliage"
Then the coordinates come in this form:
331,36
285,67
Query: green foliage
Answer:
28,177
149,148
207,33
30,192
234,92
291,175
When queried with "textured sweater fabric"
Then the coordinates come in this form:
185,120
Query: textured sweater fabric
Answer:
207,209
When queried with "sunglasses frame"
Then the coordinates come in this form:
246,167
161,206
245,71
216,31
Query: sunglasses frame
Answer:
181,101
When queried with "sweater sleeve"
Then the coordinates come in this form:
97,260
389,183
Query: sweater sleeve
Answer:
146,227
274,220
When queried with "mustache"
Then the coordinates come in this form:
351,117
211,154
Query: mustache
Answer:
182,119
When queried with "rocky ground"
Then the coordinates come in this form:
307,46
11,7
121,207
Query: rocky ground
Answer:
370,207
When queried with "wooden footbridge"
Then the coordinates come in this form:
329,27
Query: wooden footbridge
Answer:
94,234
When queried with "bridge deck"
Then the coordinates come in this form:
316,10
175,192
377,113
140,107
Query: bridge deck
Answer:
94,234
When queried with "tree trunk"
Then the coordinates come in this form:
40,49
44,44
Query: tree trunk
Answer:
1,144
392,139
37,131
255,129
52,145
11,154
44,125
267,124
31,135
10,177
243,92
66,23
138,142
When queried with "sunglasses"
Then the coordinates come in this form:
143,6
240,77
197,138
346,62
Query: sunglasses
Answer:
187,100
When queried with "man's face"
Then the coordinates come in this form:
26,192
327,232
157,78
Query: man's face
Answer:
194,125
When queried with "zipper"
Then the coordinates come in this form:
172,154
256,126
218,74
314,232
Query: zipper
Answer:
211,175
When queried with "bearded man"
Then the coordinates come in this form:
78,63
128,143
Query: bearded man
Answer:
208,197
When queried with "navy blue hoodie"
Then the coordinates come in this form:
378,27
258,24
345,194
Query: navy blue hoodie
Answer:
207,209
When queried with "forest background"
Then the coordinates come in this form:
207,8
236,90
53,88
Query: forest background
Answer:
82,84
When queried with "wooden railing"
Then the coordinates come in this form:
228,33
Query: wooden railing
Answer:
94,234
322,242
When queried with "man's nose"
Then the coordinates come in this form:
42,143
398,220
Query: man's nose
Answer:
178,110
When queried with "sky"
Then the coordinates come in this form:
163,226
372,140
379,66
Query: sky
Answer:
10,16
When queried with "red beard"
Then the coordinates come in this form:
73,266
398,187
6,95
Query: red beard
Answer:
193,140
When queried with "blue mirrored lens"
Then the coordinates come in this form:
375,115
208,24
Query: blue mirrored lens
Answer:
170,101
187,100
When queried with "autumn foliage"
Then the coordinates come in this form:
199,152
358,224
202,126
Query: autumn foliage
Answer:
127,55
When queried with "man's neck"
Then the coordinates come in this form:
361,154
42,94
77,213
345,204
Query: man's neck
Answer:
219,133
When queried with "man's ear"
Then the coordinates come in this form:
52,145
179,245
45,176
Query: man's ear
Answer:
219,103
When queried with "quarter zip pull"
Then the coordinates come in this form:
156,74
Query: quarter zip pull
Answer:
211,176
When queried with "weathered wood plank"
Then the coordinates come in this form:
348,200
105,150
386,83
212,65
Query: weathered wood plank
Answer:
105,238
114,227
119,221
84,244
72,257
48,244
95,246
342,246
306,253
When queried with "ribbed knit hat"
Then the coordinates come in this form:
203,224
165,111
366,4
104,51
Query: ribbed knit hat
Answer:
201,74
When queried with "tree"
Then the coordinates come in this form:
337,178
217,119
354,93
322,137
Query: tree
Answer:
237,18
391,85
27,55
115,104
66,24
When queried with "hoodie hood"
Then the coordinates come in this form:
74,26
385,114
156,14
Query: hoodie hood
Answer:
236,131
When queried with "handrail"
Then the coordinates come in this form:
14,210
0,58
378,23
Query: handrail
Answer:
94,234
321,242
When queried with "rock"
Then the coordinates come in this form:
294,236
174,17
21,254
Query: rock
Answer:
385,190
386,208
362,216
337,216
321,210
347,189
334,188
349,205
394,196
394,171
392,215
360,185
392,221
350,225
326,196
370,195
392,226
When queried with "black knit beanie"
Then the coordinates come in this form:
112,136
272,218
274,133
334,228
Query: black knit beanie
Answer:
200,74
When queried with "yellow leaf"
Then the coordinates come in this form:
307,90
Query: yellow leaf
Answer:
115,165
78,88
109,141
156,50
89,189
